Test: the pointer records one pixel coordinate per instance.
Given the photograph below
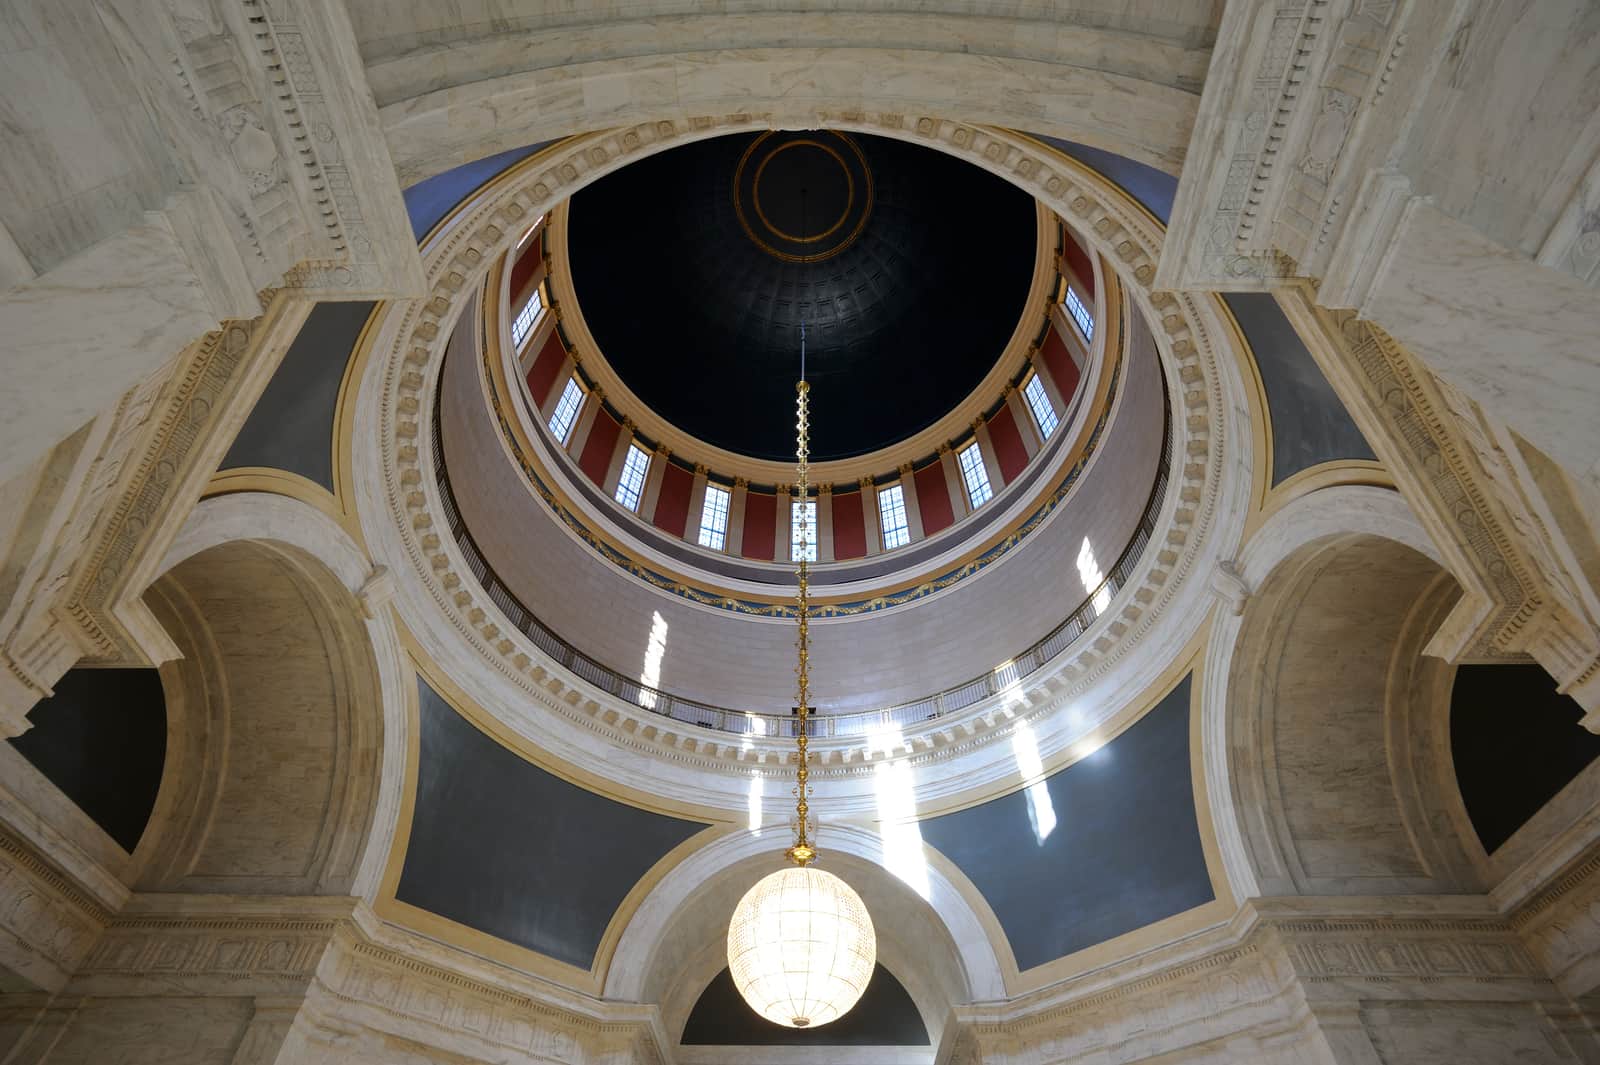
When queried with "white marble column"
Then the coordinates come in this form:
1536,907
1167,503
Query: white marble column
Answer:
651,494
548,407
736,504
960,502
593,403
1058,398
697,506
619,455
1027,428
991,461
871,520
908,491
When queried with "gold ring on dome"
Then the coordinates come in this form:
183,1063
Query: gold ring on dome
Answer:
849,185
806,248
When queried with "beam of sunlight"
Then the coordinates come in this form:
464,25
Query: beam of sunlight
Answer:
897,824
1089,572
1090,746
757,786
1008,685
654,650
1041,811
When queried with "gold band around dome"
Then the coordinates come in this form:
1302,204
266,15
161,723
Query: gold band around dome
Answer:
790,257
849,195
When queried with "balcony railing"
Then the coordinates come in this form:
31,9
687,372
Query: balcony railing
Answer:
1014,671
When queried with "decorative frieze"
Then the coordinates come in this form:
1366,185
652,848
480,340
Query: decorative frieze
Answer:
1522,597
1561,926
331,972
1290,981
47,925
1268,196
129,480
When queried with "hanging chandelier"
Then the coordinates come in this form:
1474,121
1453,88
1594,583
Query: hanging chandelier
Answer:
801,946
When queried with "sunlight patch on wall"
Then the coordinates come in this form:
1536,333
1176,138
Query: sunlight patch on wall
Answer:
1041,811
1093,578
897,824
655,649
1090,746
753,802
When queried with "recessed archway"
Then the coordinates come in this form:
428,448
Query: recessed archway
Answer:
1319,721
937,946
287,713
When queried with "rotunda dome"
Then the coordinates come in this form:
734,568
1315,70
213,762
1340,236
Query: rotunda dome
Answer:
695,269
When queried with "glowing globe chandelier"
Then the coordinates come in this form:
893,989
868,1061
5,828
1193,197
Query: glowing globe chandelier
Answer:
801,946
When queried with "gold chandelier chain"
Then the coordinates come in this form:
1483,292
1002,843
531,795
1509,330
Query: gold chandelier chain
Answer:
803,852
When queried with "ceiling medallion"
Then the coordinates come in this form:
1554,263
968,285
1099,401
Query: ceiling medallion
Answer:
801,945
831,172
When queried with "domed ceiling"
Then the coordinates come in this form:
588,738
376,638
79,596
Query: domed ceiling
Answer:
695,268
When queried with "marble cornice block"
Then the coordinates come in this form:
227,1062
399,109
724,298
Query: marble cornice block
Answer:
47,924
1561,925
214,945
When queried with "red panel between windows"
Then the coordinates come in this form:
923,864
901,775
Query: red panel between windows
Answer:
542,374
1078,262
522,272
849,526
933,499
672,505
1058,361
597,449
1006,439
760,526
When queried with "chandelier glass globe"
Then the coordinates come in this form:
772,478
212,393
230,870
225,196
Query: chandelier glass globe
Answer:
801,947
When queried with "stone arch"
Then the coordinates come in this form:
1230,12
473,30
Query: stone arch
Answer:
675,943
285,738
1332,768
1126,85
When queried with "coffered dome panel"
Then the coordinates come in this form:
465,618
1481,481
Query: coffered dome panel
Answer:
696,268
